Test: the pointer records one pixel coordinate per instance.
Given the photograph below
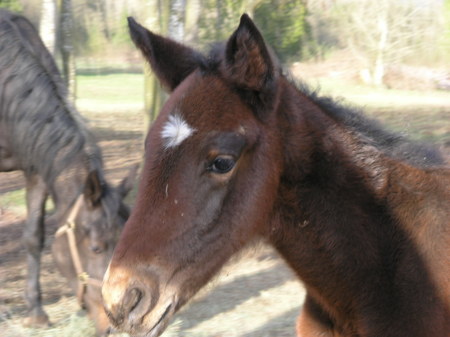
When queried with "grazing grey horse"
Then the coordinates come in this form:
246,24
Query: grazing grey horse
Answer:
44,136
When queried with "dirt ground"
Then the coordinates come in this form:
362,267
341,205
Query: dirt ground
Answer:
255,295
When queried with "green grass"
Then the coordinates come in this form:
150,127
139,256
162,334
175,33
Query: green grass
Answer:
110,92
14,201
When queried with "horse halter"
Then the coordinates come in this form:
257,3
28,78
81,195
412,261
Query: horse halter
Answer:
69,228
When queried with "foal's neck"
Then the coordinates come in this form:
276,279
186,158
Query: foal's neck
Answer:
338,222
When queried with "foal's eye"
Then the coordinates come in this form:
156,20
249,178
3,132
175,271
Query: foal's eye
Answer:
222,165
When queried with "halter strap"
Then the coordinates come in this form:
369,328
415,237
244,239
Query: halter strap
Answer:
69,228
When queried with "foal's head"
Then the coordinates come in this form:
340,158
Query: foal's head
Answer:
97,218
210,177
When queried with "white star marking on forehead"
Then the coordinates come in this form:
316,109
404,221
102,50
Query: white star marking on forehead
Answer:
175,131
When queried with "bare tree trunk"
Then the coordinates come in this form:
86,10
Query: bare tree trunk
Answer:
378,71
103,9
192,13
177,20
220,16
47,25
154,96
66,48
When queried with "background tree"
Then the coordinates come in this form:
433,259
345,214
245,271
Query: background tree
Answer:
217,18
47,27
283,24
65,46
192,15
378,33
385,31
157,20
174,18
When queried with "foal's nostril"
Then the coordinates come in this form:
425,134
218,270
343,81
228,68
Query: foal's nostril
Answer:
127,300
120,312
132,299
109,331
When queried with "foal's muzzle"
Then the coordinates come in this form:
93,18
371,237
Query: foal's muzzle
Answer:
136,306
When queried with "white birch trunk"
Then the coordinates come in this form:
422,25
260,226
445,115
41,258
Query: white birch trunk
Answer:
47,25
378,71
66,48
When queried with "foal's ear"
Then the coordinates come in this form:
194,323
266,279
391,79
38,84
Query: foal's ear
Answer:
127,183
93,189
171,61
249,65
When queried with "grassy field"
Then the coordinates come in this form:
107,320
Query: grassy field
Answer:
251,298
110,92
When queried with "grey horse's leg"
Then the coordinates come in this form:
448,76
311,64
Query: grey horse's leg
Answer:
36,195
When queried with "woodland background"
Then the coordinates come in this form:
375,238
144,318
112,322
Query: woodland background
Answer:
392,57
384,41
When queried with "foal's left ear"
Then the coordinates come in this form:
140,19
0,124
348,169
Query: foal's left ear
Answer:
249,65
171,61
93,188
126,185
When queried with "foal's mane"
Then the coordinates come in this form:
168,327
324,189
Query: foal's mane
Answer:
371,132
46,132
